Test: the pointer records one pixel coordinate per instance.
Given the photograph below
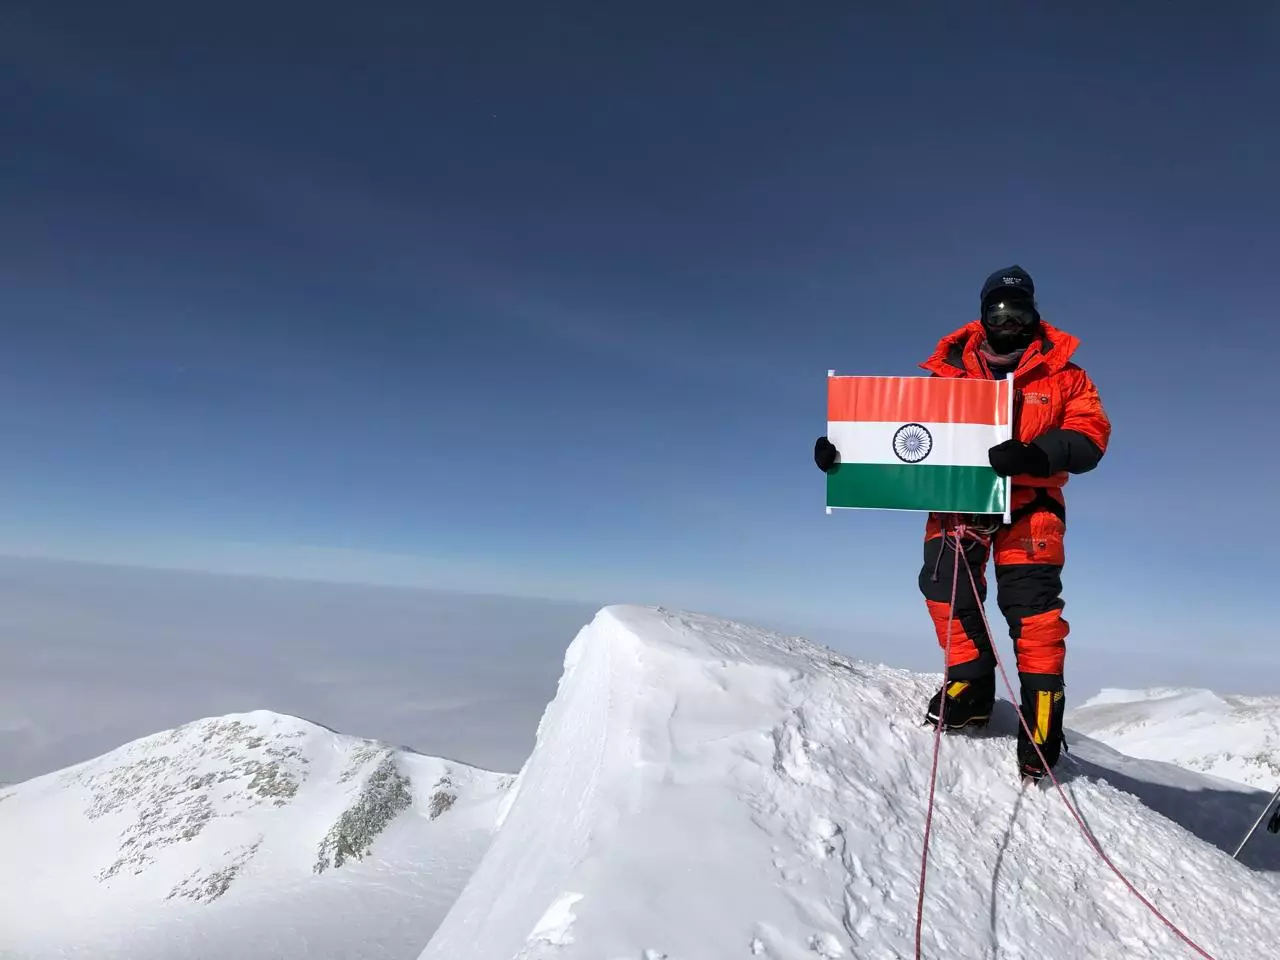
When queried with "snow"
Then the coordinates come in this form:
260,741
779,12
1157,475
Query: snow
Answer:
250,835
704,789
1235,738
698,789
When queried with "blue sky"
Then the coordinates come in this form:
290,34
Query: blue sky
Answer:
540,300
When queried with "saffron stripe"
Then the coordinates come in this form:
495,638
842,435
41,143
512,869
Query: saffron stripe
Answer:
919,399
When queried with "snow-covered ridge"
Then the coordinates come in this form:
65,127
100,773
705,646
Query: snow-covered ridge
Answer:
1232,737
224,817
704,789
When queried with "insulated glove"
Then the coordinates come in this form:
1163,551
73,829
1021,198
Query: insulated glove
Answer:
825,454
1013,457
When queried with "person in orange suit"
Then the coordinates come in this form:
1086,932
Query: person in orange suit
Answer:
1061,429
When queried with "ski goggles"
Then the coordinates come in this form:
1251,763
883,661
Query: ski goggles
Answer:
1010,312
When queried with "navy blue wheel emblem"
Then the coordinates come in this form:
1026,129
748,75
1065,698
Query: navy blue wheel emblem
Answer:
912,443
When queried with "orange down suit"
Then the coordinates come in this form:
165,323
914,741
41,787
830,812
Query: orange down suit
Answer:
1056,406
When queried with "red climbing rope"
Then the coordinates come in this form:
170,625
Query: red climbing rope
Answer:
1084,829
937,747
958,534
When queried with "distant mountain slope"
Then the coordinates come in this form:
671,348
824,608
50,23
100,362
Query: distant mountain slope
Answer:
251,835
1233,737
705,789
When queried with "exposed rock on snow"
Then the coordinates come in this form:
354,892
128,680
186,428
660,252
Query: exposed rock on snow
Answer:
385,793
182,779
443,798
205,887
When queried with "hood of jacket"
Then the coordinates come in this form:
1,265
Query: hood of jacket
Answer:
957,353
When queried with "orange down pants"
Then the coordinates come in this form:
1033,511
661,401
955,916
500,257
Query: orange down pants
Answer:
1029,557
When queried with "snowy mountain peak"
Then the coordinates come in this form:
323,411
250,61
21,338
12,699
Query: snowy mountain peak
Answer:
237,809
168,788
1232,737
701,788
1113,695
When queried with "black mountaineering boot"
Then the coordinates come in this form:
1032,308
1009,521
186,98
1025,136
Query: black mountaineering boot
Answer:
969,703
1043,702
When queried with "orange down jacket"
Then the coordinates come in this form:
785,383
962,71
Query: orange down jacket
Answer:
1056,407
1056,404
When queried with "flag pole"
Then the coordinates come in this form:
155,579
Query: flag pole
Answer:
1008,481
830,374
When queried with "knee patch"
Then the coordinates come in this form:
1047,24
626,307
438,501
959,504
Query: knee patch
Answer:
1041,644
969,641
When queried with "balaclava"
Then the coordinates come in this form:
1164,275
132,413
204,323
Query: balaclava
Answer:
1009,314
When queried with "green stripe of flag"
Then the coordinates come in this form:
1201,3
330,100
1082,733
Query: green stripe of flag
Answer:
915,486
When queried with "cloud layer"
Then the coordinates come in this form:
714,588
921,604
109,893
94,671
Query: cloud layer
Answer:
96,656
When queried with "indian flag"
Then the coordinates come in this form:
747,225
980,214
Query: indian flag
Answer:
918,443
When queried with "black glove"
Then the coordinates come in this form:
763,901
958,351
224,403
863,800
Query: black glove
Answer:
1013,457
825,454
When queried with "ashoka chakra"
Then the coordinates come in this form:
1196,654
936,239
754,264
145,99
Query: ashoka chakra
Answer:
912,443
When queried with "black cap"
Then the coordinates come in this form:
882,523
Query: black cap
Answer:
1010,278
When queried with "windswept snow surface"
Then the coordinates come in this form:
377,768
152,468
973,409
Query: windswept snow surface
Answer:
251,835
1233,737
701,789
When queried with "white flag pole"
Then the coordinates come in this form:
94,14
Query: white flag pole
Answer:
1008,481
830,374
